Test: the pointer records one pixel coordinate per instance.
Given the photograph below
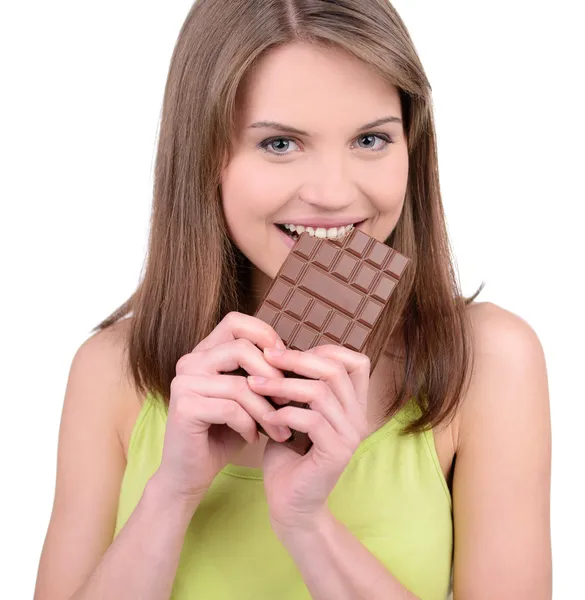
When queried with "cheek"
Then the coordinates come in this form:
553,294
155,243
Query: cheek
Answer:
249,189
387,187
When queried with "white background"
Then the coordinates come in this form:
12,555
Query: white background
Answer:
82,86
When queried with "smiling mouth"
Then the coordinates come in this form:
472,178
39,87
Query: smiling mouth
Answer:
332,233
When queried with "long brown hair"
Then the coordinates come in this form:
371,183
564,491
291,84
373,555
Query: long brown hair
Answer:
194,275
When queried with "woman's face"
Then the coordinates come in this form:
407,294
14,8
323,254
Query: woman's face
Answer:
309,153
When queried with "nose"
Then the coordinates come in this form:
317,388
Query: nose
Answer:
329,184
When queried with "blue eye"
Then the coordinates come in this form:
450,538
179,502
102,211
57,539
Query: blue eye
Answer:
279,146
372,137
269,145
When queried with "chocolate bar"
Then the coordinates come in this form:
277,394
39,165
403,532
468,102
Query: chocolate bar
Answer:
329,291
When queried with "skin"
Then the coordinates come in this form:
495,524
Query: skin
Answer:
333,170
337,171
500,435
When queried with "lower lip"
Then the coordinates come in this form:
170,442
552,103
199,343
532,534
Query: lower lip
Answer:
286,238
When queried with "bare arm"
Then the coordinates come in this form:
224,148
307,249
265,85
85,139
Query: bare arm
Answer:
143,560
77,556
502,473
335,565
79,560
501,486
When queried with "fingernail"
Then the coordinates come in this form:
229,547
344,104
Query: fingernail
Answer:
280,345
273,351
255,379
285,432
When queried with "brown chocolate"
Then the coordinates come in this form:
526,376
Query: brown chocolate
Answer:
329,292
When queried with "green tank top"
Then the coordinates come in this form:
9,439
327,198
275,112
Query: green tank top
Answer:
392,496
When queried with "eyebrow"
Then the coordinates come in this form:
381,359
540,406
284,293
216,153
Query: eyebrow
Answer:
290,129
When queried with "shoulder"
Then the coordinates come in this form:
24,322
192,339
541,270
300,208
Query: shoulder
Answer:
107,346
102,359
503,343
497,329
508,362
104,354
506,351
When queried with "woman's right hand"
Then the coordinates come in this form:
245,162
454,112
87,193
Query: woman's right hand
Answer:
212,415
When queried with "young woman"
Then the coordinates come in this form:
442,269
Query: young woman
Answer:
431,459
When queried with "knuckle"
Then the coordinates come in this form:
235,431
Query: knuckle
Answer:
338,369
334,369
243,345
322,350
176,386
231,318
186,385
322,390
319,421
181,366
183,407
267,329
189,364
231,410
271,332
364,362
316,403
192,362
287,411
180,385
240,385
264,326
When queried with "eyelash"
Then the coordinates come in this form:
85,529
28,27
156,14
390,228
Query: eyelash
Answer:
266,143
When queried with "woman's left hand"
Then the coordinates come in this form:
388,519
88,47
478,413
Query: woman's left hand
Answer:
297,487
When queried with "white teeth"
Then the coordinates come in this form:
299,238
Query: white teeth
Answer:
321,232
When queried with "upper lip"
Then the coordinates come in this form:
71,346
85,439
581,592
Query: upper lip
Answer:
323,222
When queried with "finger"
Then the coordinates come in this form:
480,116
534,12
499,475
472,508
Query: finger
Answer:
314,366
237,325
356,364
225,358
217,411
314,393
326,441
233,388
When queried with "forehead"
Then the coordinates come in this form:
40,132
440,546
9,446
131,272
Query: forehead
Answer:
315,84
